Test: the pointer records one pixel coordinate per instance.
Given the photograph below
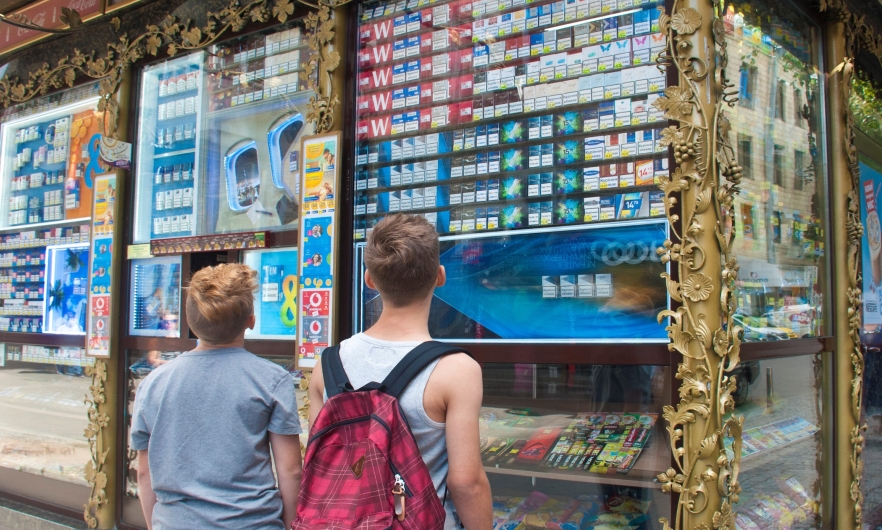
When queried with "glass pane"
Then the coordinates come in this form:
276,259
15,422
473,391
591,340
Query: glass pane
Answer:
523,285
41,394
155,290
778,135
491,116
780,400
871,485
140,363
580,444
49,157
223,131
866,106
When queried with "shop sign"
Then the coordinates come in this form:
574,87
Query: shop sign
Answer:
48,15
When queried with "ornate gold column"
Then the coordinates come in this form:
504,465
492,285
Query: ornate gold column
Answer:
845,221
698,195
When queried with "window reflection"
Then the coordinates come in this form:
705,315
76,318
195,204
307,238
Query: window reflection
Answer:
779,400
780,213
41,395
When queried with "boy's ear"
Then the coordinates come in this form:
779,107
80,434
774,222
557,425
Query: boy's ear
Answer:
251,321
368,280
442,276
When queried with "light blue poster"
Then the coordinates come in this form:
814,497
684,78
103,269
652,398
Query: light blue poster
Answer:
277,298
103,248
317,246
871,249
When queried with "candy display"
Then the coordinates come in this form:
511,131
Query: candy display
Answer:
592,442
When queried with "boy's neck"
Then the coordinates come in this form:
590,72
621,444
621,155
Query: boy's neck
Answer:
403,324
205,346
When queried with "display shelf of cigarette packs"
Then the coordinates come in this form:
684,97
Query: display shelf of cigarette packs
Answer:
253,131
27,276
533,116
574,436
48,161
68,360
167,175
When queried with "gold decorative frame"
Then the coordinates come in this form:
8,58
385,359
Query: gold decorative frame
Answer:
858,36
173,36
699,196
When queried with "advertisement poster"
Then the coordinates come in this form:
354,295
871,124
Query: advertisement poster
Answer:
67,281
100,291
105,198
277,298
319,182
156,297
871,249
586,284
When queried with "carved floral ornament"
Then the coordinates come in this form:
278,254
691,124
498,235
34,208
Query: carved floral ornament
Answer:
859,37
699,194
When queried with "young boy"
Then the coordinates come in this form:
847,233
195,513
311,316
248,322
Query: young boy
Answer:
442,404
204,423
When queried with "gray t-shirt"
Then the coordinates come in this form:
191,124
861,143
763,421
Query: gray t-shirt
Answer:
204,417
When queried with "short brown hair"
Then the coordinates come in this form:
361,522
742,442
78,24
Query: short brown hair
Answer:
220,300
402,258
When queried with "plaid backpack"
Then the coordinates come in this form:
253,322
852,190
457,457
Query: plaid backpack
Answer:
363,469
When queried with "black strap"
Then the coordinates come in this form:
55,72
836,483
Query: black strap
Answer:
336,380
414,363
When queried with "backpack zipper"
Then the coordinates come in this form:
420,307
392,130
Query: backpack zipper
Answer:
338,424
400,480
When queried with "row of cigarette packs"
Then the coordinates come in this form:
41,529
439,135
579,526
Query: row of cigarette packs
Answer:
588,89
561,211
478,19
507,188
566,123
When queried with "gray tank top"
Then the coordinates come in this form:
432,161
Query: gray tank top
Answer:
367,359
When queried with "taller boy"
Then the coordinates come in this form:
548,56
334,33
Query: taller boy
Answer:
442,404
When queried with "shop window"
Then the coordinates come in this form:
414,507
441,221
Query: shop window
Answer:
775,44
747,220
747,86
745,157
41,428
778,166
781,101
798,169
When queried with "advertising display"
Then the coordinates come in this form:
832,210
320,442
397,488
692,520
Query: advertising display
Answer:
488,116
169,129
226,127
155,290
579,284
67,284
48,164
871,247
100,294
276,301
319,182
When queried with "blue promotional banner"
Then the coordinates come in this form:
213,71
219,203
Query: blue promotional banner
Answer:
278,293
591,283
871,249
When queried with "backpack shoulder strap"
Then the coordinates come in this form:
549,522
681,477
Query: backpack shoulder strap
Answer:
413,363
336,380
